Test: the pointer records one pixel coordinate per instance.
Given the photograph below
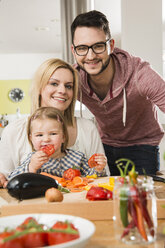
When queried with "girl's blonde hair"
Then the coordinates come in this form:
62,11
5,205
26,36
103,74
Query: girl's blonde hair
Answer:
48,113
41,78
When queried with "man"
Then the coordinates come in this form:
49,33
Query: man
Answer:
121,91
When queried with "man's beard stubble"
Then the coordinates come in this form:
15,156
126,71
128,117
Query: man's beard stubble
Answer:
104,66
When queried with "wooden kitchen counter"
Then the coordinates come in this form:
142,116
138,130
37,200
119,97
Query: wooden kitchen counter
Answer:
104,237
99,212
73,204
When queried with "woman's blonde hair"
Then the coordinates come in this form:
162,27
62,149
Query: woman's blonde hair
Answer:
48,113
41,78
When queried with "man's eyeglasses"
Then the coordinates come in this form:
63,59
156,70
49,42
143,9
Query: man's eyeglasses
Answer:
97,48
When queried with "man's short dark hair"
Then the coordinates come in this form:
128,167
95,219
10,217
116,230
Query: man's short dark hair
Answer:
92,18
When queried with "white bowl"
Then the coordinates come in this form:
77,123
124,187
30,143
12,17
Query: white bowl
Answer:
86,228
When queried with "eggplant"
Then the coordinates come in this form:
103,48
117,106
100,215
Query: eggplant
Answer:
31,185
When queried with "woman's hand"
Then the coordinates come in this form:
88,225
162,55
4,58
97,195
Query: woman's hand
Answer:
101,161
3,180
37,160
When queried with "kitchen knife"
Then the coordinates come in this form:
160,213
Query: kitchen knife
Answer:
158,179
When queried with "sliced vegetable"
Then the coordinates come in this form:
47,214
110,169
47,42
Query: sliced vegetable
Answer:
78,181
70,173
91,162
94,176
48,149
111,180
106,186
77,184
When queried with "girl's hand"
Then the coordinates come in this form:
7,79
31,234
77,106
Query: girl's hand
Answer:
37,160
3,180
101,160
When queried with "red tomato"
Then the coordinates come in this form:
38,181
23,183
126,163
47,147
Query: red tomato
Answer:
15,243
26,224
59,237
98,193
91,162
70,173
48,149
32,240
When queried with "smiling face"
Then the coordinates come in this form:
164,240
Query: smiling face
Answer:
92,63
47,131
58,92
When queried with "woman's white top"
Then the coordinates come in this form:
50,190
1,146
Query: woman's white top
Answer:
15,147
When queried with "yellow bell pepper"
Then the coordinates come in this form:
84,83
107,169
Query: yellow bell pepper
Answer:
111,180
106,186
94,176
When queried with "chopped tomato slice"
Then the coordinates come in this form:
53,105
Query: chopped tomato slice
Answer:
91,162
70,173
48,149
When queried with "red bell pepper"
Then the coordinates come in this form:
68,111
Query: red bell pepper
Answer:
98,193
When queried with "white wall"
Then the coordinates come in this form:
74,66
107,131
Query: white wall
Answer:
21,66
112,10
142,30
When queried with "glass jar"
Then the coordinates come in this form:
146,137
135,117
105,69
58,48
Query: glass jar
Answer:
135,211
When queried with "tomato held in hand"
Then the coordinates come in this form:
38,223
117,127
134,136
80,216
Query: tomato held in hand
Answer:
70,173
99,193
48,149
62,237
91,162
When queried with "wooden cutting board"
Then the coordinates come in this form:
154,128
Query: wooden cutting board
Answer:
73,204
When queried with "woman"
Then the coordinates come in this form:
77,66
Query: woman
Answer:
55,85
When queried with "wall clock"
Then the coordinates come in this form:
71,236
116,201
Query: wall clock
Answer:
16,94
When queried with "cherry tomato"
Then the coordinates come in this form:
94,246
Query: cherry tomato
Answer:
48,149
91,162
70,173
15,243
35,239
59,237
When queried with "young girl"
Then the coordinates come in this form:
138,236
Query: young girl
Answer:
47,127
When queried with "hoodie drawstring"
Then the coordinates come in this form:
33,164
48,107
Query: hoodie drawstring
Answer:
124,107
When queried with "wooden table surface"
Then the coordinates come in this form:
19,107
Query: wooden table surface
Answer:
104,237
